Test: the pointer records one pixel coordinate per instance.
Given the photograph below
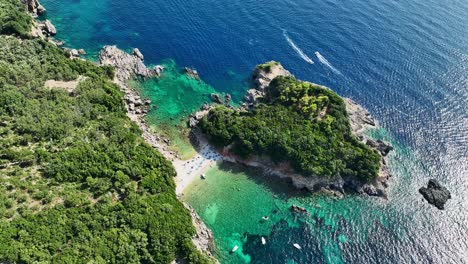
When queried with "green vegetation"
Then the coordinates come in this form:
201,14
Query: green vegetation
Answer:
78,184
267,66
298,122
14,19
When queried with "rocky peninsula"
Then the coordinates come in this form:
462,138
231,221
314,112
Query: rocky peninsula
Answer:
359,119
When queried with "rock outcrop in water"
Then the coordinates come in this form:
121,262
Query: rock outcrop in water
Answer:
435,194
128,66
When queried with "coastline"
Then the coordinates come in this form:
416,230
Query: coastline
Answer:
131,67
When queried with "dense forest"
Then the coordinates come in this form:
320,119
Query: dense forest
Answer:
297,122
78,184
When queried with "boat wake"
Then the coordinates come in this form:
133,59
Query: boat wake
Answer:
297,49
326,63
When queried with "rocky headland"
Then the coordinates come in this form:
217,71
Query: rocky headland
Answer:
360,120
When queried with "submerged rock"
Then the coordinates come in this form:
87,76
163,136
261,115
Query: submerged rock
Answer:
216,98
298,209
435,194
192,72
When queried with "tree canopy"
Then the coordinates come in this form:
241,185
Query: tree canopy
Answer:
13,18
297,122
78,183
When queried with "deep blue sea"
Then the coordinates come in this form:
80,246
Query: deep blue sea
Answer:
404,60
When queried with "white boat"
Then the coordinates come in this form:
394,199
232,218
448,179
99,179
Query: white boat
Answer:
263,241
203,176
234,249
297,246
265,218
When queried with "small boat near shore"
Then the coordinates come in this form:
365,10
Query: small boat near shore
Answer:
263,241
203,176
234,249
297,246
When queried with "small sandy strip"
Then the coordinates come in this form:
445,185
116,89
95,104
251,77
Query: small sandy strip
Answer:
189,170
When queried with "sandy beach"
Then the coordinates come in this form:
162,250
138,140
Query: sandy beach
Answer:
189,170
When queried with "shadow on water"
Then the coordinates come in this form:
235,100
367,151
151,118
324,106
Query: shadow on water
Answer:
281,188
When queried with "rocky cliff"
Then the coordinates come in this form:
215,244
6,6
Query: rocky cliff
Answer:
34,7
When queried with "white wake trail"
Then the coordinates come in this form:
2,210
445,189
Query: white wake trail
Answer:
297,49
326,62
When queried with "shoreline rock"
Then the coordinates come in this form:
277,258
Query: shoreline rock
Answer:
203,240
262,76
34,7
192,73
49,28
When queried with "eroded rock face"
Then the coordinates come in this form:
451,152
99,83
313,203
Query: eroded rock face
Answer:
261,77
359,117
34,7
435,194
127,66
252,96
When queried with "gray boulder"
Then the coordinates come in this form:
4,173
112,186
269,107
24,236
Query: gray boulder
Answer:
49,28
136,52
383,147
435,194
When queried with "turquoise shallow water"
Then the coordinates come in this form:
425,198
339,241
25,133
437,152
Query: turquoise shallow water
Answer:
233,200
406,61
174,97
